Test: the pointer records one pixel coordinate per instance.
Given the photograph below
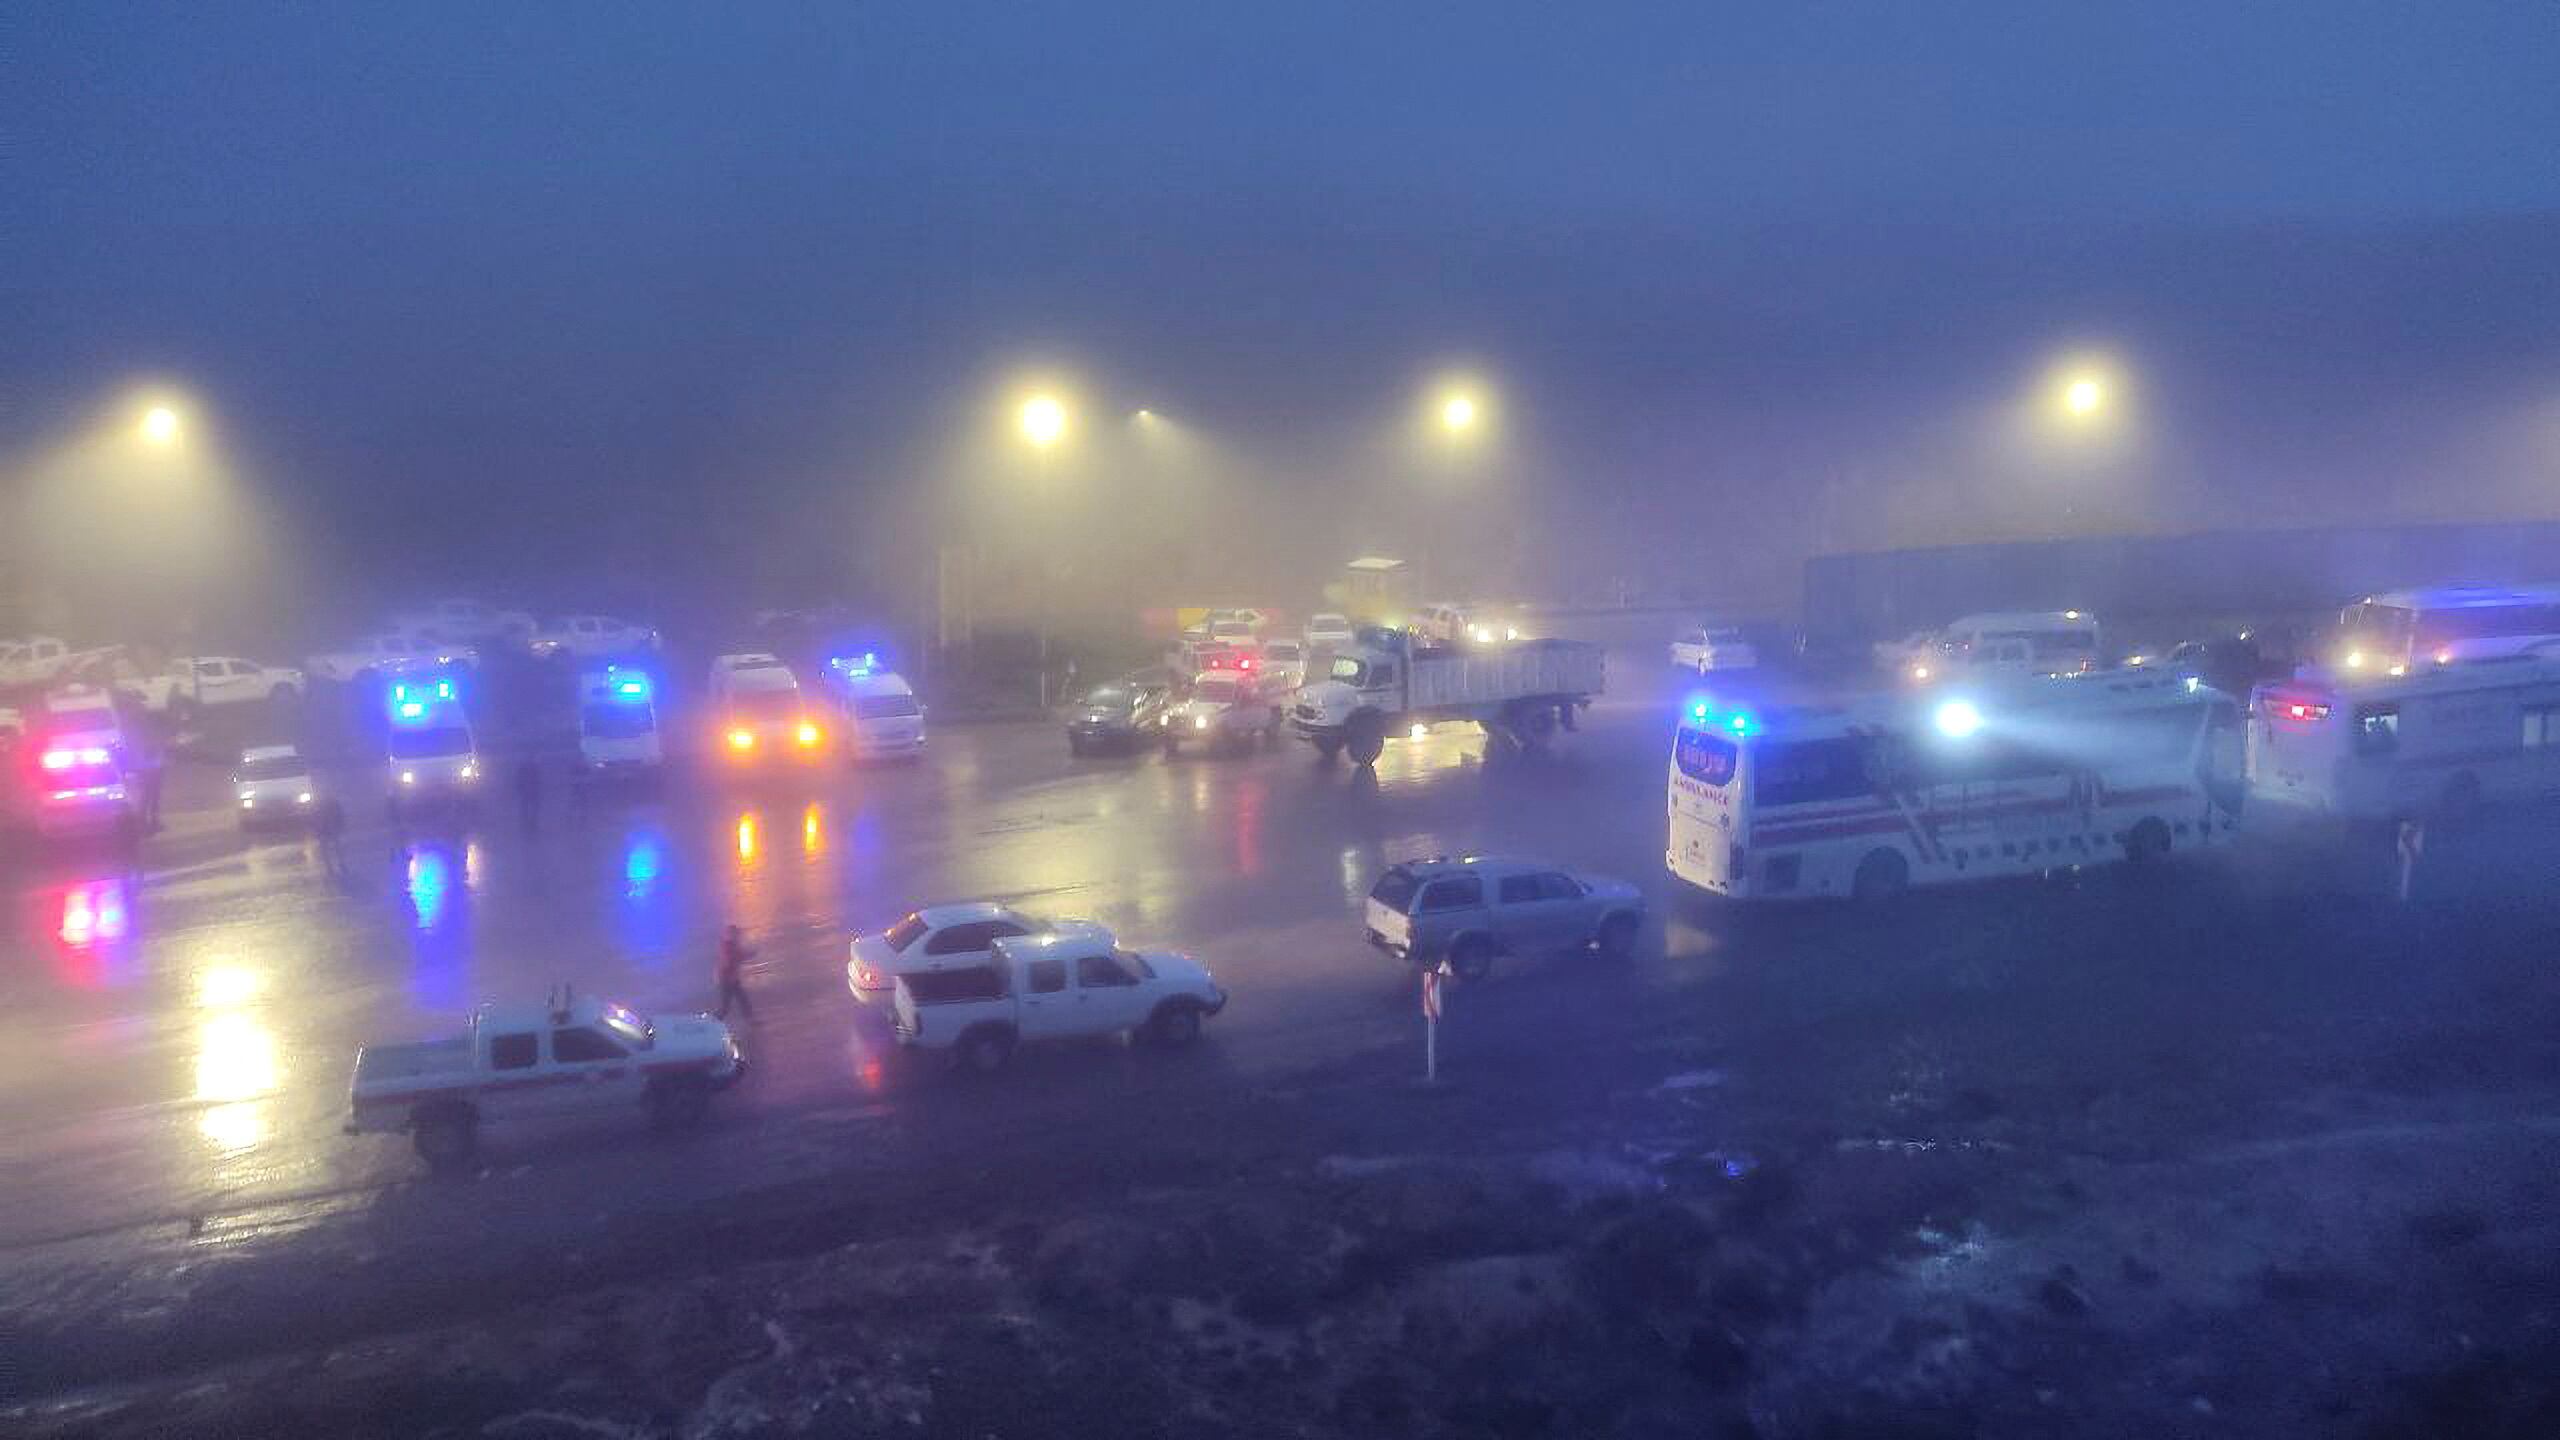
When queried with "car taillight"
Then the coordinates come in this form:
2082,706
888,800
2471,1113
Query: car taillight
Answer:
742,739
808,736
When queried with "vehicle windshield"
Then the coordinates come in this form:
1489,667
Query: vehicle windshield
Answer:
1348,670
765,704
637,1032
905,933
616,722
1704,757
1395,889
431,742
1216,692
1108,697
1283,651
1137,964
882,707
273,767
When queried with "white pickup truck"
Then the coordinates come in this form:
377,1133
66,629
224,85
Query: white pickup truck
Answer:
385,652
1053,987
1390,680
570,1060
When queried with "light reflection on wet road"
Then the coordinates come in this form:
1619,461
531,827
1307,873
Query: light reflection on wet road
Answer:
177,1040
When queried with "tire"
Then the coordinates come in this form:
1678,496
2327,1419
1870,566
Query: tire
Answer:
1535,726
2146,845
678,1104
1366,737
446,1139
2460,802
1471,959
984,1051
1617,938
1175,1024
1882,877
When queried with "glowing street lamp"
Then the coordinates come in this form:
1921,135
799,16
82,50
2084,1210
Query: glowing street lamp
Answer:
160,427
2084,395
1458,413
1043,421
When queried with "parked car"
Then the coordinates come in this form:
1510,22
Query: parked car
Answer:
275,787
1469,912
385,651
1054,987
1329,631
213,681
466,622
1121,715
571,1060
1714,648
32,660
938,937
590,637
1284,665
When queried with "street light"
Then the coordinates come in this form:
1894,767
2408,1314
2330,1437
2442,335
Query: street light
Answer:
2084,395
160,426
1458,413
1043,421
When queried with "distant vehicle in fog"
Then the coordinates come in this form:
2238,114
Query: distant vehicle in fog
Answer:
273,785
538,1066
466,622
883,719
2012,643
2438,742
386,651
1450,623
2400,630
1718,648
215,681
763,717
1283,664
1223,710
592,637
1327,630
73,770
32,660
618,722
1471,912
1057,986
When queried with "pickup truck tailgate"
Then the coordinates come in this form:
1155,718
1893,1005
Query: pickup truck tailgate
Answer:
399,1067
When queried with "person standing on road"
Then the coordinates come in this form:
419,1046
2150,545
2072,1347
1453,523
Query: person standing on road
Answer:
734,955
529,792
329,827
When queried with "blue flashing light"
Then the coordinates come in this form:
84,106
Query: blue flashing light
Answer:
444,689
632,689
412,709
853,667
400,692
1738,722
1698,711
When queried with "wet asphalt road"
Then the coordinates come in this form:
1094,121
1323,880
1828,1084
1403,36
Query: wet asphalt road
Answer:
175,1040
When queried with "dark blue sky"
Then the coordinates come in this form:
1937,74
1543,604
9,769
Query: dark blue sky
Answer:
440,259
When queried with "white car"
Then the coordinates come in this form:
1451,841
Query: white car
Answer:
274,785
524,1065
1328,631
386,651
1225,709
1723,648
590,636
466,622
1054,987
1284,664
217,680
937,937
32,660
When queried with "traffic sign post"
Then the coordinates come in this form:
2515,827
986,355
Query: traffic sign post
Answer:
1432,980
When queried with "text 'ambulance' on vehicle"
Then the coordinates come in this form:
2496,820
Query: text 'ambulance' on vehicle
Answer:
2018,778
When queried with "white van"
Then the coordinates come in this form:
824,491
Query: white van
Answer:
430,755
618,722
883,718
2005,642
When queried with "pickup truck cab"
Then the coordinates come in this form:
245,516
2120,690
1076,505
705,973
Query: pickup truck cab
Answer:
593,637
1468,912
529,1067
32,660
1057,986
1224,709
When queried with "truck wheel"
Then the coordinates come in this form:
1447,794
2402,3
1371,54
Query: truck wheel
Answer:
1472,958
446,1139
1535,725
1366,737
2147,844
1617,938
678,1104
985,1051
1881,877
1176,1023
